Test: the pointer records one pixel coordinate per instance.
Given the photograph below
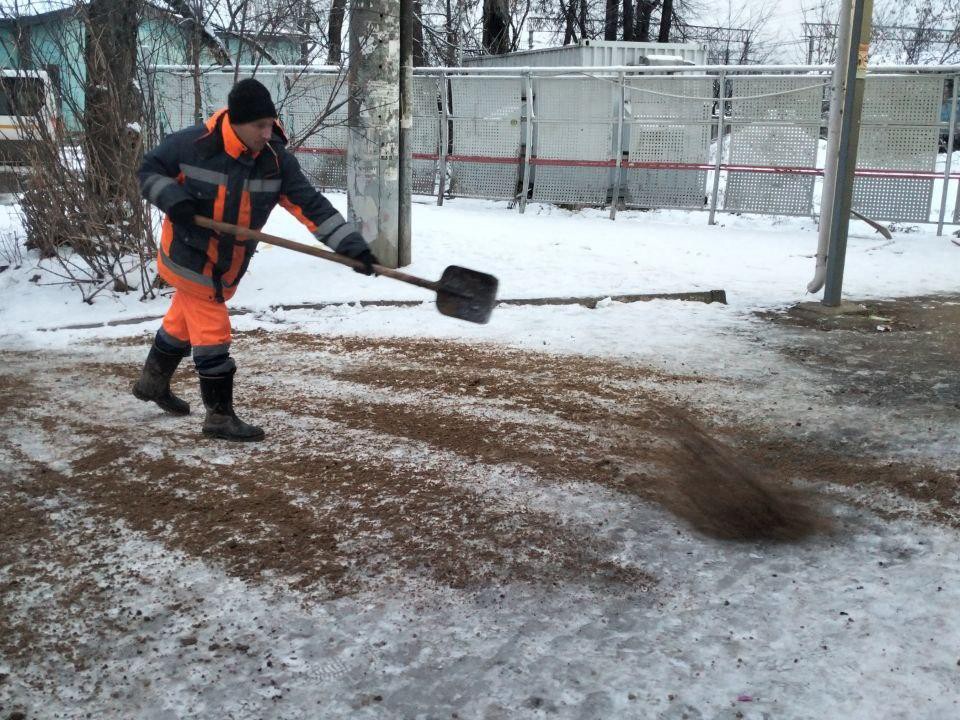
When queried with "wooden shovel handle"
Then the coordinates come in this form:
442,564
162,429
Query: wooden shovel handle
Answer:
240,232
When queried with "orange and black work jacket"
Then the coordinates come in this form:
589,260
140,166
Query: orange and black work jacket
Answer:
210,164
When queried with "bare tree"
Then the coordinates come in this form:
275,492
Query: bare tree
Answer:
666,18
496,26
644,15
80,202
610,20
335,32
628,23
419,54
910,32
112,103
917,31
742,39
195,14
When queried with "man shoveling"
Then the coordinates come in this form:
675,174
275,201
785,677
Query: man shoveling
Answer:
233,169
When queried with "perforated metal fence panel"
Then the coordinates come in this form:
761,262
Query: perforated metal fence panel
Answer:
485,136
173,98
770,159
666,121
774,123
216,86
315,117
575,119
899,131
425,133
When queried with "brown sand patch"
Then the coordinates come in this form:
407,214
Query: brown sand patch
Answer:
686,471
32,554
18,391
569,420
329,521
248,525
937,490
724,495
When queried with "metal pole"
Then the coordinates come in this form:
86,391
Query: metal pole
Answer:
721,111
617,180
373,162
444,134
404,244
847,158
946,169
833,146
528,142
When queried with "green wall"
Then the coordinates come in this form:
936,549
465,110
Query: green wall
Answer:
58,41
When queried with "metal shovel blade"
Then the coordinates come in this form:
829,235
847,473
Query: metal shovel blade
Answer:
466,294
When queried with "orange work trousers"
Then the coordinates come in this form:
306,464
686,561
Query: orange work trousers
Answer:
203,325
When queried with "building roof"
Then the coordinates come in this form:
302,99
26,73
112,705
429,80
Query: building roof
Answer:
32,12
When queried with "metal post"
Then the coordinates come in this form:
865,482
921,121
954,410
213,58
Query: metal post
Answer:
946,169
847,157
373,162
404,231
444,134
617,179
528,142
721,111
828,188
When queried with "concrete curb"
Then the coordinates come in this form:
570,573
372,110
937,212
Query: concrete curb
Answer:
707,296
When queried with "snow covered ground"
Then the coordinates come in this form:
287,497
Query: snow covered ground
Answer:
858,623
761,261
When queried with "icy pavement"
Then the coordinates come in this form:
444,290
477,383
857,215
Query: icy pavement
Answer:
440,529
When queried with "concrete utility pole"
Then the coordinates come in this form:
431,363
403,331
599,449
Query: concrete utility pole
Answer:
837,92
856,72
373,152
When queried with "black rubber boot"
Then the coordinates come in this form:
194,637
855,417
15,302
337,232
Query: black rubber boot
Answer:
221,421
154,382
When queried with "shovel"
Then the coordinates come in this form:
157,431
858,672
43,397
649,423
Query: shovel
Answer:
461,293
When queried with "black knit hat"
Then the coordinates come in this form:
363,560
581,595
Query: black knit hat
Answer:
249,100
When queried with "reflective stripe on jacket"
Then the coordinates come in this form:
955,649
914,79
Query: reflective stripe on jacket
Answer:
212,166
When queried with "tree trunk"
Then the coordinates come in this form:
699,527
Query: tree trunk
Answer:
112,104
192,12
496,26
570,22
303,27
644,11
666,18
582,20
628,20
335,32
610,20
419,57
450,51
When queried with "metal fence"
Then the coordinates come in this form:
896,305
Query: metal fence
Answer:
738,139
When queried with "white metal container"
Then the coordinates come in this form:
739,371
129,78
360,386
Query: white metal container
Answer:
598,53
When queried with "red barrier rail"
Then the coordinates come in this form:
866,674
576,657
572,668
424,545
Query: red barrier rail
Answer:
637,165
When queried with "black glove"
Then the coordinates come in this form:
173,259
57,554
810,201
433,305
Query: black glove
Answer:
183,211
369,260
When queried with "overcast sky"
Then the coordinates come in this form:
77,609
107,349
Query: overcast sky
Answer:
784,27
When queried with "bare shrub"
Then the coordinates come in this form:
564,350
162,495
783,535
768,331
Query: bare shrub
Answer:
80,203
11,250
